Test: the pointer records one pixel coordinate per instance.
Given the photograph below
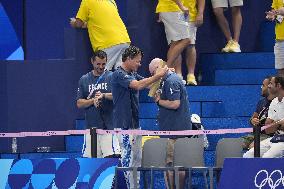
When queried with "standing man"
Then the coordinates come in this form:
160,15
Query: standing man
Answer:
277,14
219,6
174,112
196,9
125,86
94,95
275,113
174,16
107,31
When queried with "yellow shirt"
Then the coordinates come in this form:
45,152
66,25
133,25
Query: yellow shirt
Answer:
279,28
167,6
192,7
105,26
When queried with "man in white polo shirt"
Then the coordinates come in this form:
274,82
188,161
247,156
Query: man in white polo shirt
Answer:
275,113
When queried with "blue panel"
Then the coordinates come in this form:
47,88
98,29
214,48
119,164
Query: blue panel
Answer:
267,36
143,96
221,93
47,92
80,124
74,143
223,123
242,76
213,109
148,110
50,155
9,156
211,62
9,41
58,173
11,7
50,46
195,108
149,124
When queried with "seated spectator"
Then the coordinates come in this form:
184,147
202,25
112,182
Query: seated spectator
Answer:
259,116
275,114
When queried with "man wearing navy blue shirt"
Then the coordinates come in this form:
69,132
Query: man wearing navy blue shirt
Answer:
259,116
174,112
125,86
94,95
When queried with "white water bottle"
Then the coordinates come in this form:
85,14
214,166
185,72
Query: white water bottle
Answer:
14,145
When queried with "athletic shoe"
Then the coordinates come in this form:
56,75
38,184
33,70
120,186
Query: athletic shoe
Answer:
227,47
234,47
191,79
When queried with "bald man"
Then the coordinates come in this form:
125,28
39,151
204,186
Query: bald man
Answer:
174,115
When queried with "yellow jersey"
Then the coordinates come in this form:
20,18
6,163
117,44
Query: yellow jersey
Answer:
167,6
279,28
105,26
192,8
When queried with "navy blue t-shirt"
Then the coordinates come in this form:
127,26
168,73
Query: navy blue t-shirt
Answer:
262,110
172,88
125,100
97,117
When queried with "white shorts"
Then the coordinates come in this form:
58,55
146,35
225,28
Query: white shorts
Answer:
107,145
279,55
192,32
225,3
114,55
176,26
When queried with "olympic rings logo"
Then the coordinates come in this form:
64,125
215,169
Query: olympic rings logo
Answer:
269,179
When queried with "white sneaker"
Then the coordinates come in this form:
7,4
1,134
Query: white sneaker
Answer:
235,47
227,47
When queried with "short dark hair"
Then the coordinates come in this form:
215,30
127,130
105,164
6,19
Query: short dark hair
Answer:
131,52
99,53
268,77
280,79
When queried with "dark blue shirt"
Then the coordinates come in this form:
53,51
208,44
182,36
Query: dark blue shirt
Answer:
172,88
97,117
125,100
262,110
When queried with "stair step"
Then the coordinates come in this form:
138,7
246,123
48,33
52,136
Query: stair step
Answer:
212,62
242,76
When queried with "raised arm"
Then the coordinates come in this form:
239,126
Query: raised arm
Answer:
143,83
200,11
181,6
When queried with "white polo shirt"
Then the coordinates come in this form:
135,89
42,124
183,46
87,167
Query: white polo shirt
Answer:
276,111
